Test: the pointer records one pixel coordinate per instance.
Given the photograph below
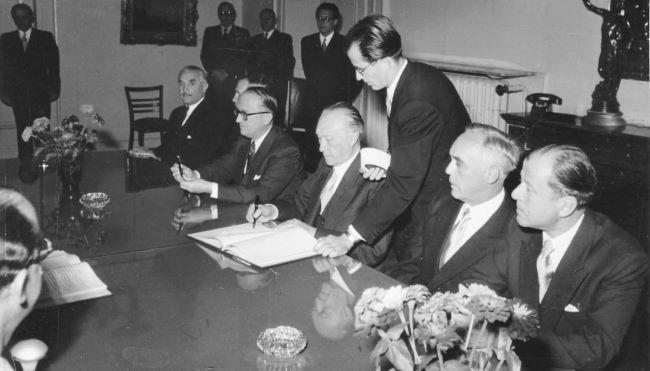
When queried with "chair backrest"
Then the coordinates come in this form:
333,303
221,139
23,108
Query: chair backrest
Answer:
295,105
146,101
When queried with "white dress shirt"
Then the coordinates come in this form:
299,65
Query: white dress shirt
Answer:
390,91
327,38
268,34
561,243
191,109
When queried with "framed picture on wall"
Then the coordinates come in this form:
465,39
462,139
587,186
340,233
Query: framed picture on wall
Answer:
160,22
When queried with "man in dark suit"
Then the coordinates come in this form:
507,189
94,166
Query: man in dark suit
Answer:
265,163
425,116
197,133
272,54
30,64
331,197
463,227
580,271
223,54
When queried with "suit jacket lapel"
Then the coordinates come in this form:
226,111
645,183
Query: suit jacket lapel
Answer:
475,248
193,119
569,274
260,155
441,216
314,202
345,192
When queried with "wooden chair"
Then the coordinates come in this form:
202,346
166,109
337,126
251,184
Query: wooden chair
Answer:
145,111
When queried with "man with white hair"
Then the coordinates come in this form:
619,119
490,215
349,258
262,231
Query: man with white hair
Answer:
465,225
330,198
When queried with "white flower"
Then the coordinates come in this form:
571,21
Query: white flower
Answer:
87,109
40,123
394,297
475,289
27,133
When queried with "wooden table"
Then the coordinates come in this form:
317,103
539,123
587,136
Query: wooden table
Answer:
174,307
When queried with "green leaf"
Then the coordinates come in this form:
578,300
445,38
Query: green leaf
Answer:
380,349
398,354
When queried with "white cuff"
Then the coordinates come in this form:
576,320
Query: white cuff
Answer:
354,234
214,193
214,211
276,212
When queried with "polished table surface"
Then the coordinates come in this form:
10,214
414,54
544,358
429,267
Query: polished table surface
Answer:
174,307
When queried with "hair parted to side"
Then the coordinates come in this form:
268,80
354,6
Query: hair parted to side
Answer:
195,69
377,38
506,151
268,100
573,173
20,238
332,8
352,115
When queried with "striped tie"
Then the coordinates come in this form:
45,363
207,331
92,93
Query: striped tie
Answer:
545,268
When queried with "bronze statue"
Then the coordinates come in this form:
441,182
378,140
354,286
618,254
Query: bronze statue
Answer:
615,42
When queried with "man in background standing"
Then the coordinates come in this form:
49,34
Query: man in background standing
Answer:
272,55
30,65
223,55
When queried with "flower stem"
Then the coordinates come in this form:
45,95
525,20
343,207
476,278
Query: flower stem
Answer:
480,335
471,325
440,359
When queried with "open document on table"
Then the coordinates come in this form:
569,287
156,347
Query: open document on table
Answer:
66,279
261,246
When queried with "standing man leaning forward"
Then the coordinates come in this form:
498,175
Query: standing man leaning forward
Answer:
583,273
425,116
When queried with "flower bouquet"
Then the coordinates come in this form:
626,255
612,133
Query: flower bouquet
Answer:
66,141
471,329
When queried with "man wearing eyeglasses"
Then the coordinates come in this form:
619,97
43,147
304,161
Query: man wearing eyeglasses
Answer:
425,115
265,163
223,54
329,74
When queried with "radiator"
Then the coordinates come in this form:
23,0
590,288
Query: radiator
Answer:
481,101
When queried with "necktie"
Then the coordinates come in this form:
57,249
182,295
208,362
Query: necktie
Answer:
456,236
545,268
267,35
249,157
24,39
389,105
328,191
323,45
186,110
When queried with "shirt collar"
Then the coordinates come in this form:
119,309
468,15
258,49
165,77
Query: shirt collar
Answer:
327,38
393,85
561,242
260,140
28,33
340,169
270,33
191,107
488,207
225,30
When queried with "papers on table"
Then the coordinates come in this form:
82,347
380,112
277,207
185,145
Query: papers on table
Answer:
66,279
261,246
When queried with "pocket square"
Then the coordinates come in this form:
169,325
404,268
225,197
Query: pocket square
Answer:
572,308
256,177
188,136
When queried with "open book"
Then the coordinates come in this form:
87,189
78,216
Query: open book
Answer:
261,246
67,279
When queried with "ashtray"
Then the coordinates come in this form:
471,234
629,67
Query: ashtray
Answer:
281,341
94,200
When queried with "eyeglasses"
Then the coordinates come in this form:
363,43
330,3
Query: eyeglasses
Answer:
325,19
226,12
244,115
361,71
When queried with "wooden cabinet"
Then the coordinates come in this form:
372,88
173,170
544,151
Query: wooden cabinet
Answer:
621,160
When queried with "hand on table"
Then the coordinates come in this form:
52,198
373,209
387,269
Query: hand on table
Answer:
263,214
372,173
333,246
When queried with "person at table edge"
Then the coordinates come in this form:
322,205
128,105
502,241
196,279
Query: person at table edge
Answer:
464,226
583,273
331,197
197,132
264,163
425,116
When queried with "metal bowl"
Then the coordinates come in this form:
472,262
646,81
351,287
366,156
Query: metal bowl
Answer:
281,341
94,200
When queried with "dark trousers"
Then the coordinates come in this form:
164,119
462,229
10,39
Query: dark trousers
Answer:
25,112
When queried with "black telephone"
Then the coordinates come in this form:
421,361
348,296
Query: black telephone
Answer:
542,103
